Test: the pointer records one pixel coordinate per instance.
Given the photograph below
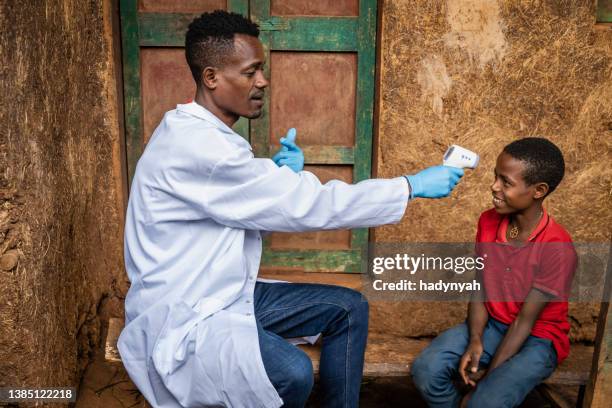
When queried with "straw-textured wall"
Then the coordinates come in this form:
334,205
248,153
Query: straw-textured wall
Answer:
480,74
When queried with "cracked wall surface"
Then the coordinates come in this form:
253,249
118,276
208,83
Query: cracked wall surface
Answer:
61,200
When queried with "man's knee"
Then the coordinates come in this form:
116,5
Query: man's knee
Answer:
357,308
360,308
298,379
354,302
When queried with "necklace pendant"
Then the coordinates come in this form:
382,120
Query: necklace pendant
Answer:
514,232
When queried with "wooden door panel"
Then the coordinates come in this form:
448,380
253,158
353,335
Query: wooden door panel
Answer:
322,240
180,6
315,93
321,64
147,27
166,81
327,240
314,8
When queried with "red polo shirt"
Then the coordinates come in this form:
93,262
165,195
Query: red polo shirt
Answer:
546,262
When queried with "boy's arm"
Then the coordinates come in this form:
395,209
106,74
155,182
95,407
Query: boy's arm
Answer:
477,316
521,327
477,320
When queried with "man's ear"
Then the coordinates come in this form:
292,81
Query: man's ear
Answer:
541,189
209,77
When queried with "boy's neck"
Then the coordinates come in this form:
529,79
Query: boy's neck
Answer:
528,218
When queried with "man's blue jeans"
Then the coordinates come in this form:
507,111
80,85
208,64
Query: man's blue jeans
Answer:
286,310
437,366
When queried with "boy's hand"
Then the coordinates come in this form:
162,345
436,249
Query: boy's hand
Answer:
469,362
466,399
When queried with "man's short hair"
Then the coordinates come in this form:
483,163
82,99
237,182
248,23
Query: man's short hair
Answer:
210,39
543,160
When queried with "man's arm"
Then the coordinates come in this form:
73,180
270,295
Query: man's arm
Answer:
521,327
255,194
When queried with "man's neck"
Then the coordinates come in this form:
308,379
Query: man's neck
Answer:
206,101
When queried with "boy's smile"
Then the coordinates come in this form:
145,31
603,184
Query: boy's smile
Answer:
510,192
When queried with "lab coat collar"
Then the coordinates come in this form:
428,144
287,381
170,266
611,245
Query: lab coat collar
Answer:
197,110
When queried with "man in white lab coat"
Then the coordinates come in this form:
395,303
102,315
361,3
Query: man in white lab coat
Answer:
200,329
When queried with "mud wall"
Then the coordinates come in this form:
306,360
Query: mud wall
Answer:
480,74
60,207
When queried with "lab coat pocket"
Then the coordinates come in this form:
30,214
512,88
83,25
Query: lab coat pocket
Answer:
234,337
171,348
174,358
208,375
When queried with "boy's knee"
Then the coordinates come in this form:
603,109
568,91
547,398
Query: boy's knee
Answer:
418,366
430,371
485,399
421,373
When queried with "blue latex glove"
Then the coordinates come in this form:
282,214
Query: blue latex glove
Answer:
289,154
434,182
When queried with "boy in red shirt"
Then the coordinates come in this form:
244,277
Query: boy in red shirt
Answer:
518,329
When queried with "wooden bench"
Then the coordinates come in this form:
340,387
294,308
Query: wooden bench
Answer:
389,356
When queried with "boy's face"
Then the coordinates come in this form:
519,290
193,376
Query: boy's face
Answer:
510,192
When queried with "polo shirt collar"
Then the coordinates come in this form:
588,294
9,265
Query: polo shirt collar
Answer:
197,110
503,228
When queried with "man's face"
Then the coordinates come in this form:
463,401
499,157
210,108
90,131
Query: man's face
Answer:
510,192
241,81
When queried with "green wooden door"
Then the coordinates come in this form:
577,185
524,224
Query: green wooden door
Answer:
321,61
604,11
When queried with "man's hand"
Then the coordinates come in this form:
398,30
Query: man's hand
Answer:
468,365
289,154
434,182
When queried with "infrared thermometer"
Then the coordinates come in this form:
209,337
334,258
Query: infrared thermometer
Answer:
457,156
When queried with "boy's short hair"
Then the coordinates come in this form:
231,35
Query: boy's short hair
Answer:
210,39
543,160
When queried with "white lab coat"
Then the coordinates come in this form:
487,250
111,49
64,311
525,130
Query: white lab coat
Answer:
198,202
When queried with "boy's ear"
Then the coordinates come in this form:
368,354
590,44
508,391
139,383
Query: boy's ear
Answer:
209,77
541,189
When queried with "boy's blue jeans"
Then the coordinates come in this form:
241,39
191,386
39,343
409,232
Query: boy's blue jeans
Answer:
437,366
286,310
